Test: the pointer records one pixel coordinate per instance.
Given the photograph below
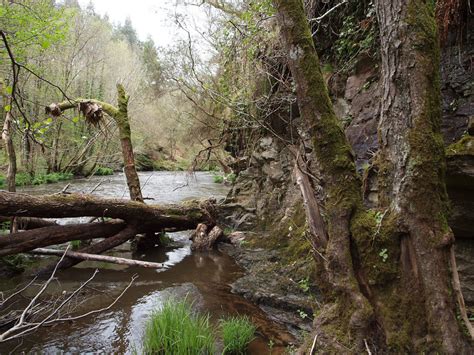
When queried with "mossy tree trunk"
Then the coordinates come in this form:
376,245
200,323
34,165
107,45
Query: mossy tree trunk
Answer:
341,183
384,273
92,110
412,166
126,142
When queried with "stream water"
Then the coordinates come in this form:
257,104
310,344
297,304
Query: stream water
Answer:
204,278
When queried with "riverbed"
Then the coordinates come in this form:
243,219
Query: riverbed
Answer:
204,278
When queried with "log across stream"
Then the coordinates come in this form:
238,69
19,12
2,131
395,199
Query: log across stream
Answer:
204,276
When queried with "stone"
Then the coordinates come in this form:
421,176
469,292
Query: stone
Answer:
236,238
266,142
273,171
270,154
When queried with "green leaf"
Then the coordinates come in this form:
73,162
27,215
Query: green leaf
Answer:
9,90
75,119
45,44
8,108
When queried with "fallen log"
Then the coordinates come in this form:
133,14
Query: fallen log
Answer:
145,217
22,242
93,257
27,223
203,240
121,237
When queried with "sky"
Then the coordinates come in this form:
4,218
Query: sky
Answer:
149,17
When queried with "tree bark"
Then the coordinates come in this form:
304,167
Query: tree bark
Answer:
123,124
22,242
147,218
101,258
333,153
412,166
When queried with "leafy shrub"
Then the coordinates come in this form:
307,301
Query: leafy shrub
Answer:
103,171
237,333
75,244
40,179
169,165
229,178
175,329
23,179
218,179
165,240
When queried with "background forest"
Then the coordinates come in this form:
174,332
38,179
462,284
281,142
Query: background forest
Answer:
63,52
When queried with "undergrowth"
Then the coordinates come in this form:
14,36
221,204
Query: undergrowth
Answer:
237,333
103,171
24,179
175,329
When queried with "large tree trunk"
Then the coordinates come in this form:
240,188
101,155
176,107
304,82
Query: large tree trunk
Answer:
411,170
147,218
342,185
384,273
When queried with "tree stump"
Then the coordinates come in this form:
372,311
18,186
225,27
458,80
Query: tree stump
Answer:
203,240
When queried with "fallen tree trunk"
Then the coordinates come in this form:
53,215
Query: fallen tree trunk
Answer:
147,218
36,238
93,257
121,237
27,223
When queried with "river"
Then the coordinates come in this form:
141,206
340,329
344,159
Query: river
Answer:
203,277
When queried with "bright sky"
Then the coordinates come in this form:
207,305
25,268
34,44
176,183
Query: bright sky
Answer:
149,17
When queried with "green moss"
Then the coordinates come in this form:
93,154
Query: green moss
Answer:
377,245
464,146
290,240
121,117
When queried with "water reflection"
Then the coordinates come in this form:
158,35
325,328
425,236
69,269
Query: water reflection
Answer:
204,277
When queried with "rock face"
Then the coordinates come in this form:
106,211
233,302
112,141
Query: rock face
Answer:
265,197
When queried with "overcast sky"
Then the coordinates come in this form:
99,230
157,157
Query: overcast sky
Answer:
149,17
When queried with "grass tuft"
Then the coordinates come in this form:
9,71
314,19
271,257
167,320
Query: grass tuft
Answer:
237,333
175,329
103,171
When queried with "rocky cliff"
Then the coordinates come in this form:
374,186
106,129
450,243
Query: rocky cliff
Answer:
266,202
